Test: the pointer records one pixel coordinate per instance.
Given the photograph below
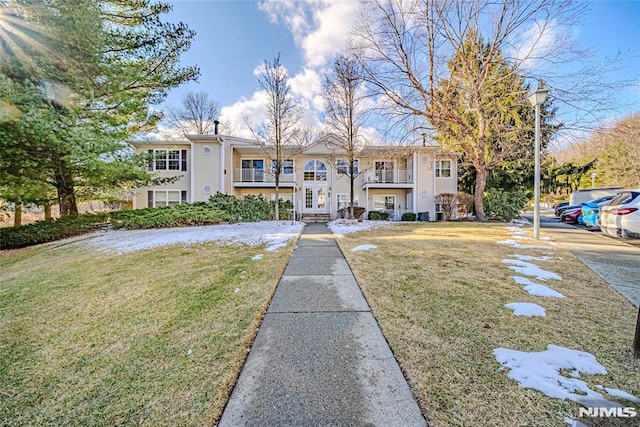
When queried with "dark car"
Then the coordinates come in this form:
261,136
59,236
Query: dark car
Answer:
572,216
562,209
559,205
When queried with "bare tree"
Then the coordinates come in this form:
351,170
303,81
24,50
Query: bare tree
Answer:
344,99
406,48
282,134
195,114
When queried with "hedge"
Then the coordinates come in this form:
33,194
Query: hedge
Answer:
378,216
49,230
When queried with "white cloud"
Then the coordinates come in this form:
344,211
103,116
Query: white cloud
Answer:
319,27
306,84
541,42
253,109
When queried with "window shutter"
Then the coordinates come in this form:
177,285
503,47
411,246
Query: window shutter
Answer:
150,161
183,196
183,156
150,197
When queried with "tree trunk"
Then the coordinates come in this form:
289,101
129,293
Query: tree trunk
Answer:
481,183
66,195
277,204
17,215
351,194
47,211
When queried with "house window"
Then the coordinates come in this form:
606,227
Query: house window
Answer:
315,170
343,200
381,203
252,170
167,160
287,167
343,167
160,198
443,169
384,171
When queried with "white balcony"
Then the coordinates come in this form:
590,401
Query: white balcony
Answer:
388,179
260,178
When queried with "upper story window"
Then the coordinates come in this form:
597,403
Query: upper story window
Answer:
342,167
167,160
443,169
315,170
384,171
287,167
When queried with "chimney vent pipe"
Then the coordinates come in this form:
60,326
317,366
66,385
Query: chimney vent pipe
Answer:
215,126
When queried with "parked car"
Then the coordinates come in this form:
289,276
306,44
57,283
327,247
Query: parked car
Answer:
562,209
621,216
559,205
572,216
591,212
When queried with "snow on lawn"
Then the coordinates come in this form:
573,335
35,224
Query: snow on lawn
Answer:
363,248
257,257
531,258
573,423
536,289
541,371
340,227
517,245
529,269
526,309
275,234
619,393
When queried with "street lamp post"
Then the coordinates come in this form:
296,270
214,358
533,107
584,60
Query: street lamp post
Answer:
593,180
536,99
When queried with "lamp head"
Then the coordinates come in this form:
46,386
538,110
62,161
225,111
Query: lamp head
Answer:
538,97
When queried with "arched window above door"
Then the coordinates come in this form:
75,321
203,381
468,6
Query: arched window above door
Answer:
315,170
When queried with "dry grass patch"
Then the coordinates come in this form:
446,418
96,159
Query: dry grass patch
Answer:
155,336
438,292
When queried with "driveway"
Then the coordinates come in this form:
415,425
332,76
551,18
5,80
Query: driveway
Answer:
615,260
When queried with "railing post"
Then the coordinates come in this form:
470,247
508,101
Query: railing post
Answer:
636,341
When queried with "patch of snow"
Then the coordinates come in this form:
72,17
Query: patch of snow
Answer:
257,257
542,291
340,227
363,248
573,423
236,291
541,371
521,222
529,269
517,245
253,234
189,352
526,309
619,393
522,280
532,258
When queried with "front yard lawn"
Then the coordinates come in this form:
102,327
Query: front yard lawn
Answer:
155,336
438,292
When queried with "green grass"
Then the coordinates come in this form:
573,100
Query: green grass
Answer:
438,292
92,338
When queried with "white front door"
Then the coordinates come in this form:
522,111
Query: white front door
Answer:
315,199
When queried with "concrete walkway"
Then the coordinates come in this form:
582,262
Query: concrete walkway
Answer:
616,262
319,358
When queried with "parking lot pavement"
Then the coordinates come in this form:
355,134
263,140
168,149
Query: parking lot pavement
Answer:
616,260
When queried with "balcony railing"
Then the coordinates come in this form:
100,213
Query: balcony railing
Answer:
389,177
260,175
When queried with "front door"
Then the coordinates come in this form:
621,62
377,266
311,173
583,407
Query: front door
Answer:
315,199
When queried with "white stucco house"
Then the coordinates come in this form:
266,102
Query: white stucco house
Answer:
390,179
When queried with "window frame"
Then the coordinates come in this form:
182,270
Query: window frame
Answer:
386,208
152,198
440,169
342,167
285,166
167,157
347,197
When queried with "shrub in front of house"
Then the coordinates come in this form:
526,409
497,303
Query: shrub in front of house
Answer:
358,211
409,216
50,229
378,216
183,215
504,205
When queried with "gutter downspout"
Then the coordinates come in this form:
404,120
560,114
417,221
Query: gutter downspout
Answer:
191,193
222,189
415,183
433,177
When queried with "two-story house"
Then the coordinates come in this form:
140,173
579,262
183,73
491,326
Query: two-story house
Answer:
315,180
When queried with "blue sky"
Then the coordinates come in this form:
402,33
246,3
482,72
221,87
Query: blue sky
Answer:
234,37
